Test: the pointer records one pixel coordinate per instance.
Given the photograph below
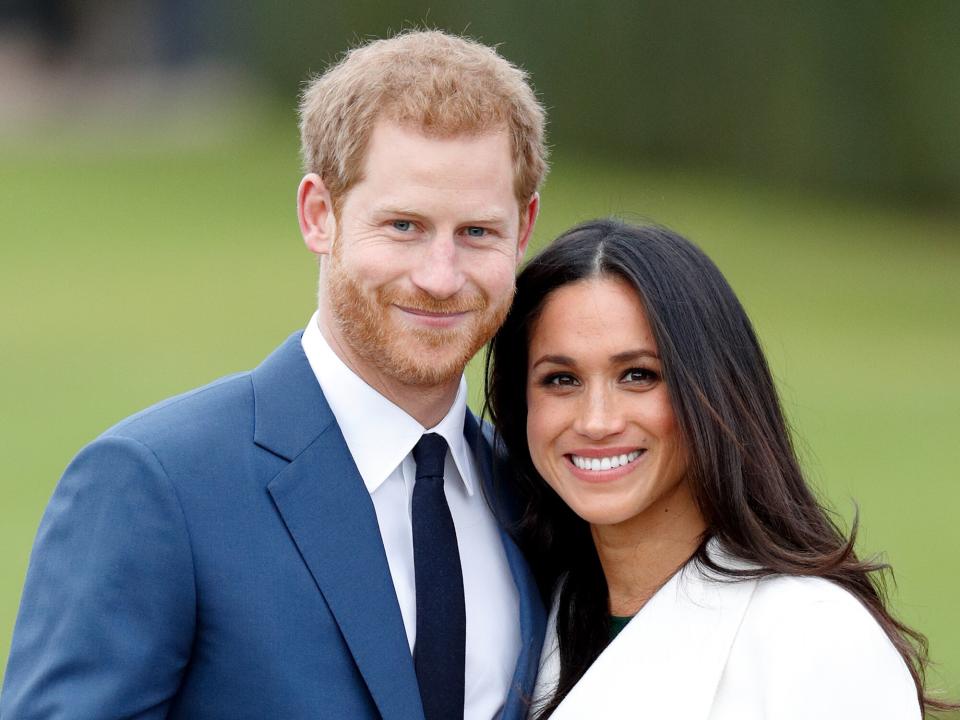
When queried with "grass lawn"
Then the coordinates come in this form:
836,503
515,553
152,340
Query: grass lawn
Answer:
134,266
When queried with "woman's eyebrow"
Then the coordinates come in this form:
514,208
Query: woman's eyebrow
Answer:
630,355
554,359
623,357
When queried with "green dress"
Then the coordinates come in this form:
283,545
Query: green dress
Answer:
618,623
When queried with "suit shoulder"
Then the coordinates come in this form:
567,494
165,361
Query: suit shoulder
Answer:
197,413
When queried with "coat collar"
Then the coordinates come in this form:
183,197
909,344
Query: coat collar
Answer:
291,411
676,647
330,516
379,433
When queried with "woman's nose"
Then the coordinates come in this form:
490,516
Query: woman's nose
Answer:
599,416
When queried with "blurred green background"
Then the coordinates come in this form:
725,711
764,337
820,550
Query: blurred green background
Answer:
148,237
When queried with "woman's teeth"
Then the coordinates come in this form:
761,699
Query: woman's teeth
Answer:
604,463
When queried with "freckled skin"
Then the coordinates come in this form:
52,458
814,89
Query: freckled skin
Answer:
419,263
433,226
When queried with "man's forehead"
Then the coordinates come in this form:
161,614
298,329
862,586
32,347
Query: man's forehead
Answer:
386,129
467,161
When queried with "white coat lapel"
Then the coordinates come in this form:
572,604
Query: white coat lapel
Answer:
668,661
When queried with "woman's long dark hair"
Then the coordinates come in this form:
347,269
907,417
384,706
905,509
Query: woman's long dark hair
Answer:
743,470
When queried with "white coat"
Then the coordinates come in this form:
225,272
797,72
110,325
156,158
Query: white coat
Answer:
780,648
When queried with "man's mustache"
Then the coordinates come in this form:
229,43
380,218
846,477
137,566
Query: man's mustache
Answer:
424,302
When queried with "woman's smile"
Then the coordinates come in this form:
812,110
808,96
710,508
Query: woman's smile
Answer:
598,465
600,425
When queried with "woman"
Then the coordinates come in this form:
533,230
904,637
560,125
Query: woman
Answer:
664,502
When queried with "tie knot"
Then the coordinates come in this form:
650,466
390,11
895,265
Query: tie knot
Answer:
429,454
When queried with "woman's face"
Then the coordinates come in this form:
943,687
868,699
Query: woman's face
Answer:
600,425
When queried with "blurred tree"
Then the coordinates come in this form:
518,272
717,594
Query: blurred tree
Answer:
862,95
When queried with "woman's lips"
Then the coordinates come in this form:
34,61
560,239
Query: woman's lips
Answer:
603,464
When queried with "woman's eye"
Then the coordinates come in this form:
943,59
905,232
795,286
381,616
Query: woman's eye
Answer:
559,380
640,375
402,225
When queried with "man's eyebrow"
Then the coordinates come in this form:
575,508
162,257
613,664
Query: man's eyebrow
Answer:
396,210
486,219
481,218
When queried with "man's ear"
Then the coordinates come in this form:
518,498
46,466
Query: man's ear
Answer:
528,218
315,213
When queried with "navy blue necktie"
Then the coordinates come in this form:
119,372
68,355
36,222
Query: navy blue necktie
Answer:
440,649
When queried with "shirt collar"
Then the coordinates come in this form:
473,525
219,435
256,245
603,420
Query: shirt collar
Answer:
378,433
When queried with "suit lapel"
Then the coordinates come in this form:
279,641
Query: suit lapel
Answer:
532,615
672,654
330,516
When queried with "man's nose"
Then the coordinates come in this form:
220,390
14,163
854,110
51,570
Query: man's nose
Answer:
438,269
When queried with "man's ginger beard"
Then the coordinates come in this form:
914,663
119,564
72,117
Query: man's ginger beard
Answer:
425,357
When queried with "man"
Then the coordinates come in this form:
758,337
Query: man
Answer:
312,538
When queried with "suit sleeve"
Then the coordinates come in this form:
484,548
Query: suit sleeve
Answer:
108,610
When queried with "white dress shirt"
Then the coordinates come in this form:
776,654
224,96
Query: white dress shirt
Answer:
381,437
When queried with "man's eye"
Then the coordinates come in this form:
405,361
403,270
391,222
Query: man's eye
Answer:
402,225
476,232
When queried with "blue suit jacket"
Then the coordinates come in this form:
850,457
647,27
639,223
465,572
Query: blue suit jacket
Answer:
218,556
